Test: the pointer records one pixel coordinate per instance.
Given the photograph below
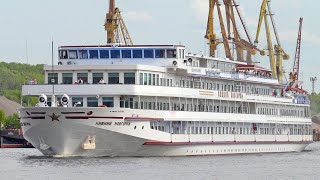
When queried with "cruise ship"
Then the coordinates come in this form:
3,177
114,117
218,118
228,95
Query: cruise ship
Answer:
160,100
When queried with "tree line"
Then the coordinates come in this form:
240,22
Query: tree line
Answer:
9,122
14,75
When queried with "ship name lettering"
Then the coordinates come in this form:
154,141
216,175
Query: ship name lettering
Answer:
196,70
103,123
25,124
212,73
122,123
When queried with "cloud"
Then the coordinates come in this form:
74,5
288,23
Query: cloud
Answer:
307,37
138,16
200,9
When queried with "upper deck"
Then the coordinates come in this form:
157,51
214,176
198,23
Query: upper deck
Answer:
168,56
159,55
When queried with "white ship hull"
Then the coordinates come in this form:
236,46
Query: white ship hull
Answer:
117,132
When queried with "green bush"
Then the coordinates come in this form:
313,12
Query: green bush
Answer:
14,75
9,121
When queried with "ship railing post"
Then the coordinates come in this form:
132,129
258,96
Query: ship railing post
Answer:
171,131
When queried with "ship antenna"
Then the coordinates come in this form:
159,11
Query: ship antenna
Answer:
52,66
53,98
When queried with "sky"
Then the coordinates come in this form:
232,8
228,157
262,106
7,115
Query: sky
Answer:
28,27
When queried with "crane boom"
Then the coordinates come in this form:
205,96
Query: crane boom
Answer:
294,75
242,21
210,35
270,47
110,24
236,34
111,6
117,31
273,24
261,16
275,64
224,34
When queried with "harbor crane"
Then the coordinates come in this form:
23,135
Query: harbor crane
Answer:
210,33
294,74
117,32
276,53
241,44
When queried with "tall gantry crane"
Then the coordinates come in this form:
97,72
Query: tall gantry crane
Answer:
117,31
211,35
241,44
294,74
277,50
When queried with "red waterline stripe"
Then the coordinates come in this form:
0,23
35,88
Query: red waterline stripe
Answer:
92,117
11,145
33,117
72,112
143,118
38,112
225,142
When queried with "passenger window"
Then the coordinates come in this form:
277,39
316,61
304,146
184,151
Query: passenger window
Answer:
137,53
160,53
115,54
83,54
93,54
148,53
73,54
171,53
104,54
63,54
126,54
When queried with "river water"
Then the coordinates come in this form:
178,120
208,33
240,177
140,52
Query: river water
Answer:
30,164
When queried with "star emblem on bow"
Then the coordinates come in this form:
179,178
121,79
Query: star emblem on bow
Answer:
54,117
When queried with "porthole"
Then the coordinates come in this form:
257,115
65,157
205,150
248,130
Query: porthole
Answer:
142,127
135,127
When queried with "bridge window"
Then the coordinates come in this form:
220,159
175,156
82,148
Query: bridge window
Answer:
108,101
93,54
145,82
113,78
129,78
104,54
83,54
115,54
141,78
126,54
63,54
77,101
160,53
67,78
52,78
148,53
92,102
171,53
96,77
73,54
83,77
137,53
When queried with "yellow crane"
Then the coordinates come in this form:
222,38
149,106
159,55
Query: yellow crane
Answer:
275,63
211,35
117,31
240,43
